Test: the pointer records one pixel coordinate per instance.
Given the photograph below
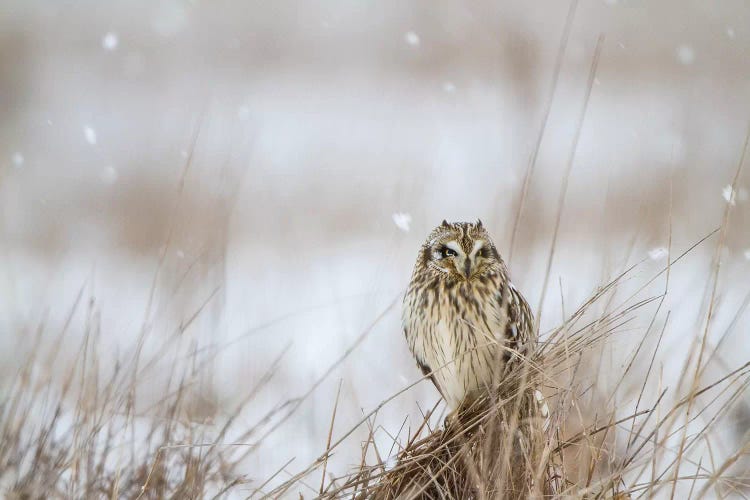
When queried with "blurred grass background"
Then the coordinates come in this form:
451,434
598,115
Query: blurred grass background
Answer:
228,172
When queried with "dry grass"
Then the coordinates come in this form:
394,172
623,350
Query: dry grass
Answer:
592,445
83,436
462,460
629,438
86,437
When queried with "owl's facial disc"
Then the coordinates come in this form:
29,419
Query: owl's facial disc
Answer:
451,258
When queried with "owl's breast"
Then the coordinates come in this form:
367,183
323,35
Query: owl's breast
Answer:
456,331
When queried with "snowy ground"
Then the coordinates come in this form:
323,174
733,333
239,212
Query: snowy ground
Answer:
330,139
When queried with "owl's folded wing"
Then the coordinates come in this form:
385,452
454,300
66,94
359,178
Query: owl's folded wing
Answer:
427,371
514,314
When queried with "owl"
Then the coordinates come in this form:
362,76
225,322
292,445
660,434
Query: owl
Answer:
462,317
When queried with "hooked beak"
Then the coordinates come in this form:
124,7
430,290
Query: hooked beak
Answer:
467,268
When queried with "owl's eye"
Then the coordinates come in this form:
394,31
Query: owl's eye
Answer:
484,252
447,252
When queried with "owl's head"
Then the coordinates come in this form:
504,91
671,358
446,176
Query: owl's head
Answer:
460,251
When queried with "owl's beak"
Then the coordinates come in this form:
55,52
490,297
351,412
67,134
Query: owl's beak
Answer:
467,268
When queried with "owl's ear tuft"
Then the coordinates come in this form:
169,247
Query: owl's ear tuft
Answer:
479,224
445,224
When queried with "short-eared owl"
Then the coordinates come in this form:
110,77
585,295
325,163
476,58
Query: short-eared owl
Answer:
462,317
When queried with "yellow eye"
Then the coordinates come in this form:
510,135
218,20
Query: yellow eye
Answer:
447,252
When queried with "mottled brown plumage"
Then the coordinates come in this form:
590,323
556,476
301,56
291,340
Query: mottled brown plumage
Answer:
463,319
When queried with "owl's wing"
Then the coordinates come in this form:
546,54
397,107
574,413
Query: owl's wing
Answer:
515,313
427,371
421,363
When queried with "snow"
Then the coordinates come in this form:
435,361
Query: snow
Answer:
243,112
728,194
730,32
234,43
657,253
110,41
17,159
90,135
412,38
169,17
685,54
402,221
542,403
441,127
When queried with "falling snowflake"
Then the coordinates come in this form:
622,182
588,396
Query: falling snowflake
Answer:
747,254
402,221
17,160
729,195
685,54
109,175
449,87
730,32
411,38
657,253
180,254
90,135
110,41
542,403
